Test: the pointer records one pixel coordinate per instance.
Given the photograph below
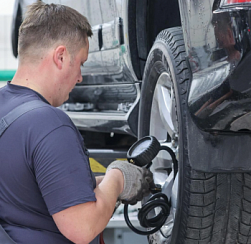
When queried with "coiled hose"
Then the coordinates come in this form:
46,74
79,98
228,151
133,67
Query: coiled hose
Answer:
156,200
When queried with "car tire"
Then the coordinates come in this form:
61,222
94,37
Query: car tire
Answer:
207,207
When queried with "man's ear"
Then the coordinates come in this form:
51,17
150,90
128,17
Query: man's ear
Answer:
59,56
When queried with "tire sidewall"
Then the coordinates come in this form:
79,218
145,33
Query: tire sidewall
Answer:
161,60
158,61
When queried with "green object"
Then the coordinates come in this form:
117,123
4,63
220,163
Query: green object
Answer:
123,49
6,75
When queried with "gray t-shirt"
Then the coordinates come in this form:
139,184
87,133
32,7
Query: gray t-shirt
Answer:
44,169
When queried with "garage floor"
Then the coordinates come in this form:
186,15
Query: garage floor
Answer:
117,231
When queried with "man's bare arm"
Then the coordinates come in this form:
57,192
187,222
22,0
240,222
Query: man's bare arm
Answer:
83,222
99,179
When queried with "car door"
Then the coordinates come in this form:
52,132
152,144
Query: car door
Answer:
115,51
90,9
112,36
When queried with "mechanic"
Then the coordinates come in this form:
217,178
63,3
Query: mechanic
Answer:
222,24
48,193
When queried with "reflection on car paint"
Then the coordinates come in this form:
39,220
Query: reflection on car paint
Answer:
218,48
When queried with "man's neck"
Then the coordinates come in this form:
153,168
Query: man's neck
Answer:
32,79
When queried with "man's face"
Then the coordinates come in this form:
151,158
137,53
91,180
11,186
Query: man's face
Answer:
73,72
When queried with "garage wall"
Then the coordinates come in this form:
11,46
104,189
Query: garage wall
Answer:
8,63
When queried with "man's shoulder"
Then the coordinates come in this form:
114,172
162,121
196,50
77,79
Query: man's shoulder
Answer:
43,121
50,115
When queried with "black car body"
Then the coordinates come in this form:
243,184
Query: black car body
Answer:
111,85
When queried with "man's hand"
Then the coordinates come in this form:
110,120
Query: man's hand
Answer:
137,181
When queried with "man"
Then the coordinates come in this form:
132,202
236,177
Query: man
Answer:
223,30
47,191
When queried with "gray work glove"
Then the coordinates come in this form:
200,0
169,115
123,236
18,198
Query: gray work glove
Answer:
137,181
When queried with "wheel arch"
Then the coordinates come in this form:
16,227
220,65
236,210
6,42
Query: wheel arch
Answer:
146,19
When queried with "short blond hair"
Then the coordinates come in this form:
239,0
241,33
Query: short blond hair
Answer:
46,25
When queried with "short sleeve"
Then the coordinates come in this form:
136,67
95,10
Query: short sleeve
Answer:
62,170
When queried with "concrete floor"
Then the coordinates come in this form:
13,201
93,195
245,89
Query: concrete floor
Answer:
123,236
117,231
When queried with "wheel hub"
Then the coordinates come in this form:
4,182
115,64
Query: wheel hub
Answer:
163,125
